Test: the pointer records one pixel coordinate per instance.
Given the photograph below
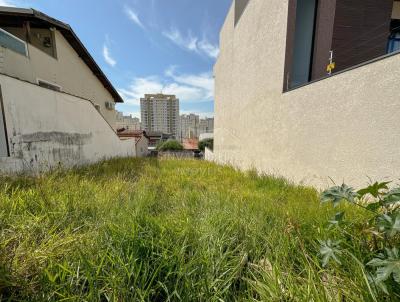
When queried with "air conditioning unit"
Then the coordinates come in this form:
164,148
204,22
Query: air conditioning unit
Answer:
110,105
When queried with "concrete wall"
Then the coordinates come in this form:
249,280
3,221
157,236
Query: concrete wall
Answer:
47,128
208,154
344,127
142,147
67,71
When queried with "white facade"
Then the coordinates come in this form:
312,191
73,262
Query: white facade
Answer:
59,130
57,108
160,112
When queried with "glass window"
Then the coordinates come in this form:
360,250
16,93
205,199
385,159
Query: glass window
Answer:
9,41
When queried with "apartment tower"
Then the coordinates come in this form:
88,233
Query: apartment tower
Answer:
160,112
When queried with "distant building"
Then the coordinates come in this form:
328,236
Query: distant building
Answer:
191,126
160,112
188,126
127,122
141,140
206,125
156,137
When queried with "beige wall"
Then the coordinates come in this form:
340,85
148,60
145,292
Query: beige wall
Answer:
396,10
67,71
142,147
344,127
50,128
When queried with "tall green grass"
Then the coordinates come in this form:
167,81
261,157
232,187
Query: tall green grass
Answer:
148,230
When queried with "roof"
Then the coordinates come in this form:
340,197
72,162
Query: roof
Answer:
11,16
158,133
132,133
190,144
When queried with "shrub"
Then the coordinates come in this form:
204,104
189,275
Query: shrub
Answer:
170,145
381,234
209,143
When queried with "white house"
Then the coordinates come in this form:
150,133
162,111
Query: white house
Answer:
57,107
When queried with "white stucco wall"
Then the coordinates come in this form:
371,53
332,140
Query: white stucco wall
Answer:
142,147
344,127
47,128
68,70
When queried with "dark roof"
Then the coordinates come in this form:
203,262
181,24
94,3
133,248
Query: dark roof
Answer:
131,133
158,133
11,16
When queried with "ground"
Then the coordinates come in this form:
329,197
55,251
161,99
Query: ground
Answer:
149,230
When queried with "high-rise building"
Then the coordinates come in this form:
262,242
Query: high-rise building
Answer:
206,125
127,122
191,126
188,126
160,112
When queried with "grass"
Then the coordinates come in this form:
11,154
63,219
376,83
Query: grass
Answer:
148,230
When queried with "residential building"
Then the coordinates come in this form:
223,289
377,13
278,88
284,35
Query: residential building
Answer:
160,113
206,125
141,140
127,122
56,104
192,126
156,137
315,85
188,126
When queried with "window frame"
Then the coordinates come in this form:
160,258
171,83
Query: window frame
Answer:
18,39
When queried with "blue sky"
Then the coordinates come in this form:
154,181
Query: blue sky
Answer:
148,46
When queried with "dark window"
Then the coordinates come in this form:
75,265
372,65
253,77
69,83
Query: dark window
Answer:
394,38
328,36
13,43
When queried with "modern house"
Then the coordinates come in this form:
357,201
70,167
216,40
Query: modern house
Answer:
315,83
57,106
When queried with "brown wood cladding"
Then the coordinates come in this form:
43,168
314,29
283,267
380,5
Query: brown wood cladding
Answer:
361,31
323,37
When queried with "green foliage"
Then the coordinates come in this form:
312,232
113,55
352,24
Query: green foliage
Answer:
382,230
387,265
170,145
330,250
171,230
209,143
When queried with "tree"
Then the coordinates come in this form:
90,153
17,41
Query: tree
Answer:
209,143
170,145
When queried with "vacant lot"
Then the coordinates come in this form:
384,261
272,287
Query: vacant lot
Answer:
147,230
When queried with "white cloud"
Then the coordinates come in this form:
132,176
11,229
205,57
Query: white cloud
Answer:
187,87
7,3
192,43
133,16
107,56
204,81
